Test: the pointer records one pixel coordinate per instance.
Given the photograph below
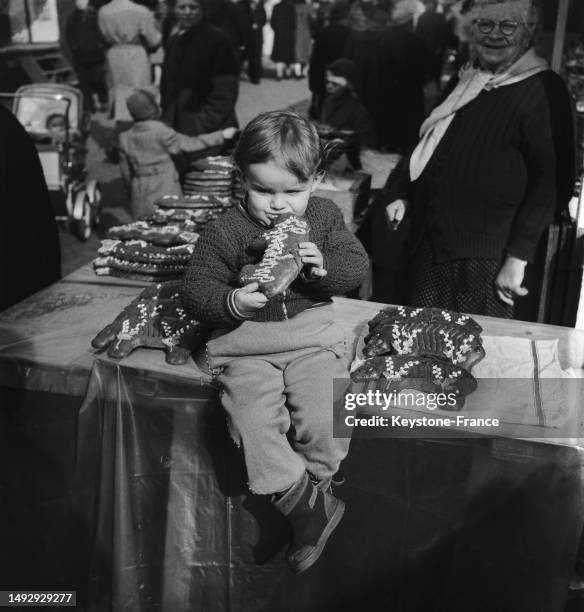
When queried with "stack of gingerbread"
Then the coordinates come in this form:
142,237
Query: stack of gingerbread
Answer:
213,176
428,349
156,248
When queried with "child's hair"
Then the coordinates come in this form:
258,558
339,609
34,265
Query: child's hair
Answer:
285,137
142,105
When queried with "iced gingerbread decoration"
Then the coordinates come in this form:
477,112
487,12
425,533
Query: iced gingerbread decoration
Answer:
155,319
423,315
280,264
421,373
191,220
425,331
168,235
144,252
444,340
156,270
195,202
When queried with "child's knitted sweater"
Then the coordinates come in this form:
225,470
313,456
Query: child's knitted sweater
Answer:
224,248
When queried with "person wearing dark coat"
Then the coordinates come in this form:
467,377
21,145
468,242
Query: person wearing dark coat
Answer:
392,65
87,49
303,36
225,15
252,18
342,109
329,43
200,75
283,22
30,257
433,27
168,28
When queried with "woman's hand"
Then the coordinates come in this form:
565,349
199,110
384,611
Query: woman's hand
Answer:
313,258
229,133
248,299
395,212
509,279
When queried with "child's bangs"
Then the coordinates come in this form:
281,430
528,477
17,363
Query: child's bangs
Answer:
284,137
298,155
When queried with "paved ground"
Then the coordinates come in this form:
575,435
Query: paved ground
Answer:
253,99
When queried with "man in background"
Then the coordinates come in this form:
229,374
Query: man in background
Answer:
87,48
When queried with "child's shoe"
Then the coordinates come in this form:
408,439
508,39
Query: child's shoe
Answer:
314,514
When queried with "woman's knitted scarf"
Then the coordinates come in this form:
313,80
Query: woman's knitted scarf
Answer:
472,81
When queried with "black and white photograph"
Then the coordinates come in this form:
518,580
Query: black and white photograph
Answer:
292,305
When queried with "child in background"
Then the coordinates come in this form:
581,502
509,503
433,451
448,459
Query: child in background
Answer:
146,149
56,125
278,357
341,108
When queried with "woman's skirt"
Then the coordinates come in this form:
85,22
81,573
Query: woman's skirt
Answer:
129,67
462,285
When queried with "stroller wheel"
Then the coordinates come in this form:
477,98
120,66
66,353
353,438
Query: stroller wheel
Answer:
96,206
81,227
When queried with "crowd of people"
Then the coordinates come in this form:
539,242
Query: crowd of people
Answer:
129,44
480,179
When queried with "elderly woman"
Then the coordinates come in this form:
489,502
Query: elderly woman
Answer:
494,163
200,75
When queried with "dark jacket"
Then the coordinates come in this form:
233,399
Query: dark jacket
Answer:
200,81
83,37
223,250
435,30
344,111
283,22
502,171
392,64
225,15
328,46
29,241
251,20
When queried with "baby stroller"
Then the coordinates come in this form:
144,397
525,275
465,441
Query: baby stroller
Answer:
52,114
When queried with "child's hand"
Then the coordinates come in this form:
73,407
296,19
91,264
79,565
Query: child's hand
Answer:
248,299
229,133
313,258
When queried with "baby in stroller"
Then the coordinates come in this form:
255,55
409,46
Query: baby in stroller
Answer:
52,114
56,125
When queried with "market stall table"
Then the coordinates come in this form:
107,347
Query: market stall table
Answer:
120,479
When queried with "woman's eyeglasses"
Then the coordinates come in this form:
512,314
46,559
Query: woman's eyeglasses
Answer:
486,26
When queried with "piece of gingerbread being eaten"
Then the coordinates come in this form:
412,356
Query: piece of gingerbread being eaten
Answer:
280,263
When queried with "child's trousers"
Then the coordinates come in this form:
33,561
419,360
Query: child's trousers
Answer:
277,379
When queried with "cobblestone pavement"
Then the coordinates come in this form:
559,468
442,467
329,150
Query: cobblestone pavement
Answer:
253,99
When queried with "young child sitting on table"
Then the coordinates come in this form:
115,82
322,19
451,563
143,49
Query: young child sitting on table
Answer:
146,149
278,357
